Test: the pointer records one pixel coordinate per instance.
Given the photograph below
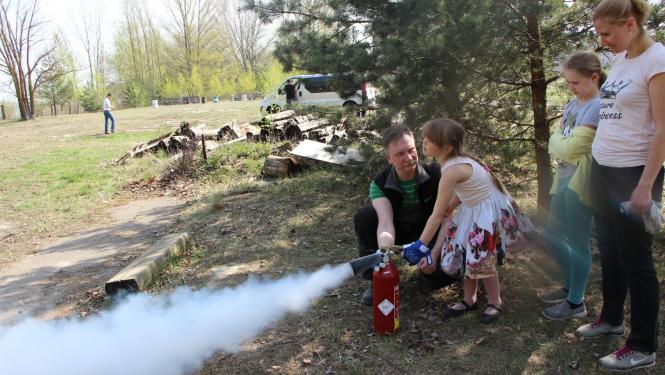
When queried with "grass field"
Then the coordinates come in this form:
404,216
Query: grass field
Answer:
57,175
58,172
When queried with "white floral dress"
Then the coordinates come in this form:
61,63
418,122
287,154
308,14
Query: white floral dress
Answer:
486,221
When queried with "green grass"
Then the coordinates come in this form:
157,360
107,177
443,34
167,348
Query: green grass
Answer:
59,172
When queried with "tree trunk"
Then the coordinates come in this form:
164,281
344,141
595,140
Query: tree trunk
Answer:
539,105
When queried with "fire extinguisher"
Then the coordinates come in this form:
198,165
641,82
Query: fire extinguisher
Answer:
385,290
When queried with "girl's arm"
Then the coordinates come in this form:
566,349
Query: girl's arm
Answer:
451,176
640,200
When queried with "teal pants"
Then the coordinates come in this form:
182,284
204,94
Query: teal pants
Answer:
567,233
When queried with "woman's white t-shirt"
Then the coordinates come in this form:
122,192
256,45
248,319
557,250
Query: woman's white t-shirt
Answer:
626,126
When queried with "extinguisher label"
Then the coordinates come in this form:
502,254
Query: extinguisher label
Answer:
386,307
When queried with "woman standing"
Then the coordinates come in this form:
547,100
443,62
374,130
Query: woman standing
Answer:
626,178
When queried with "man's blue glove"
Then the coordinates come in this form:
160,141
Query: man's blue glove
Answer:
415,251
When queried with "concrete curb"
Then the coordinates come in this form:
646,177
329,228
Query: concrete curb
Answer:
138,274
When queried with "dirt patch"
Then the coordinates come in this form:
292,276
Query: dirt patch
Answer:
6,230
65,276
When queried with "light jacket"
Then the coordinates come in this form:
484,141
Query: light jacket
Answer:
576,150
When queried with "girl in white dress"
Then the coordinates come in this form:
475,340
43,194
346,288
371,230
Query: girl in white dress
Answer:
486,221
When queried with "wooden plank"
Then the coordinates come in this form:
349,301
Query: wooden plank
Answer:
319,151
138,274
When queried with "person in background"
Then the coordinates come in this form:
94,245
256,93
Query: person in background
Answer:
627,181
290,90
403,196
106,106
568,229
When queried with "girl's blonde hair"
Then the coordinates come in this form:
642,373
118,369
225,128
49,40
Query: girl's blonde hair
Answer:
445,131
587,64
618,11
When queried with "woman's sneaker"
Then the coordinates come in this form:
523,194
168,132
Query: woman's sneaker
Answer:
563,311
555,296
627,359
599,328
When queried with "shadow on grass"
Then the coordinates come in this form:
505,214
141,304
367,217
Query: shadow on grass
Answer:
63,272
305,222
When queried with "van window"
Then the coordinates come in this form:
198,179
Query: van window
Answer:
318,84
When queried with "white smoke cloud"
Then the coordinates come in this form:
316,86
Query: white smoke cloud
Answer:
167,335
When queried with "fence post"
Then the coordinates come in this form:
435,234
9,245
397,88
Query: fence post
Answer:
4,117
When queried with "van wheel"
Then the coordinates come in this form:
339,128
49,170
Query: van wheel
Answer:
353,107
350,107
273,108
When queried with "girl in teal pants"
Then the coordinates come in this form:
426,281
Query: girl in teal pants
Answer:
567,232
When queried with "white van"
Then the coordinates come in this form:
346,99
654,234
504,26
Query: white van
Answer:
316,89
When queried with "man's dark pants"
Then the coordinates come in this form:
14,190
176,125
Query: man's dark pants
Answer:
625,254
408,230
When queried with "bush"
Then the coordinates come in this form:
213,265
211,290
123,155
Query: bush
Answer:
135,95
91,99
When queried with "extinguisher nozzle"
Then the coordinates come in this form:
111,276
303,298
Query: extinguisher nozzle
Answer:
369,261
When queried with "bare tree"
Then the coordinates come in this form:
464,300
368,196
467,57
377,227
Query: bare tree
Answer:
192,29
245,32
23,52
88,28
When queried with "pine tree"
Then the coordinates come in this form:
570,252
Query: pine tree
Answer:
485,63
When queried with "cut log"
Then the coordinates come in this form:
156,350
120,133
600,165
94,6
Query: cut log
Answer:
313,124
281,115
178,143
278,166
208,134
185,130
244,128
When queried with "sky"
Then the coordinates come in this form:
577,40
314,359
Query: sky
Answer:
61,15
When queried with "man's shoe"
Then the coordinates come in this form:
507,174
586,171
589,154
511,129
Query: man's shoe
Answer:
554,296
366,298
599,328
563,311
627,359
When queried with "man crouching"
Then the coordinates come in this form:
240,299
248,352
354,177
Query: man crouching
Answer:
403,196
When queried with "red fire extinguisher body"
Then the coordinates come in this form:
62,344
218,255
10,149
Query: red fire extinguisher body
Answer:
385,290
